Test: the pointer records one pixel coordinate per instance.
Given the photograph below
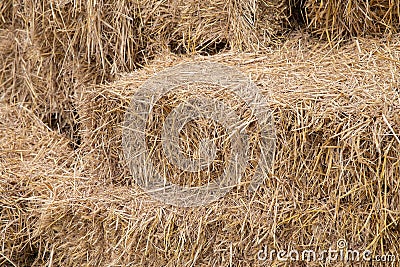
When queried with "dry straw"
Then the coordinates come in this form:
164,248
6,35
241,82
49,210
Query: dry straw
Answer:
337,19
29,77
31,158
53,47
337,117
335,176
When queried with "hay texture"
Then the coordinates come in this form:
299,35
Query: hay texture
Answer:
51,48
30,77
31,158
336,112
338,19
116,37
335,174
8,16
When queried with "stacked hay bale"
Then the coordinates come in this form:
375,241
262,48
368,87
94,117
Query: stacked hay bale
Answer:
337,118
60,45
335,175
336,19
53,47
31,159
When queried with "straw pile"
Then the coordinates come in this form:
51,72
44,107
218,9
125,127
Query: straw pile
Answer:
51,48
31,159
256,24
336,19
335,176
116,37
337,117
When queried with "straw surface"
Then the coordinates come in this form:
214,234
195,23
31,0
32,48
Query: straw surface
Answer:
73,66
30,77
51,48
31,158
335,174
337,19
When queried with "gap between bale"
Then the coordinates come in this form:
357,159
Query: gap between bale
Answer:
29,77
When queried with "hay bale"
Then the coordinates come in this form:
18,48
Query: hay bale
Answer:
63,45
335,175
60,45
212,26
337,19
31,158
117,37
114,38
100,153
88,35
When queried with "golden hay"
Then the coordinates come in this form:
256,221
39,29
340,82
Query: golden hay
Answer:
337,113
54,47
336,19
116,37
31,157
185,26
336,172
